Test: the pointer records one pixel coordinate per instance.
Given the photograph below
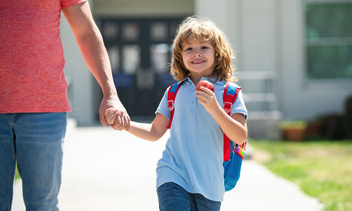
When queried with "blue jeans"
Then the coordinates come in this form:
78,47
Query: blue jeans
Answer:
173,197
35,142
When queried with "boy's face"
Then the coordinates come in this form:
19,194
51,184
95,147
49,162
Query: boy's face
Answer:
199,57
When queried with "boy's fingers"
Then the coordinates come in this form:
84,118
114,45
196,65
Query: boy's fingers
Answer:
111,120
126,122
121,122
127,126
106,112
118,120
109,111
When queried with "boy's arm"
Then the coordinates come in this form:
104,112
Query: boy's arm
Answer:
150,132
234,127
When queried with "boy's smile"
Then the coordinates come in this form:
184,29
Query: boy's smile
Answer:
198,61
198,57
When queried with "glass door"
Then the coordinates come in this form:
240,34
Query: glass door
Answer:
140,52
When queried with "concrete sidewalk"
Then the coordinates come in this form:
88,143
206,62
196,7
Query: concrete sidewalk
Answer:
107,170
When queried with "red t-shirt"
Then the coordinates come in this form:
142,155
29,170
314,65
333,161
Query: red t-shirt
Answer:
31,56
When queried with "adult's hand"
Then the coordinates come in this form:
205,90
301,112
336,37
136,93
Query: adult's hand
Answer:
122,118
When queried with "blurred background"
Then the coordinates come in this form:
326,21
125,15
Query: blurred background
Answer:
293,58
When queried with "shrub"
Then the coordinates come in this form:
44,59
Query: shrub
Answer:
333,127
347,120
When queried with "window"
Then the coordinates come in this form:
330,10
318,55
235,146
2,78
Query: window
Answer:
159,55
328,39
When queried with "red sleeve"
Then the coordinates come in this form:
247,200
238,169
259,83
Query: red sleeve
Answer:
68,3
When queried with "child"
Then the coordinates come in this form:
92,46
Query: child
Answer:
190,174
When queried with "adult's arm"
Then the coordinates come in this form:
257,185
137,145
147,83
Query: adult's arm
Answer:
92,47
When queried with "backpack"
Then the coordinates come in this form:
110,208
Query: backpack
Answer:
233,153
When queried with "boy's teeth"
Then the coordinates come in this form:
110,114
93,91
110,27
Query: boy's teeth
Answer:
196,62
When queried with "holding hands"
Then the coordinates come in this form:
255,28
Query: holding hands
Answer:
118,118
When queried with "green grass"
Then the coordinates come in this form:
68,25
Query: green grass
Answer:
17,175
321,169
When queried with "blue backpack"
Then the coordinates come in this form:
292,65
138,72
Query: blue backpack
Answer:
233,153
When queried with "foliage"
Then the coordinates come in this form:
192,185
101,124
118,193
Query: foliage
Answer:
348,117
293,124
332,126
17,175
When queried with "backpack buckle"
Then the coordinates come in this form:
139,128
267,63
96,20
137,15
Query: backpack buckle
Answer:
227,107
170,105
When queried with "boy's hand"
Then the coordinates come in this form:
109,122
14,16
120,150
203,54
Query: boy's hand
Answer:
110,115
208,99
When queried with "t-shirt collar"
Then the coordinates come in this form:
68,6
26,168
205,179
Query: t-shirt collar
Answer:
212,80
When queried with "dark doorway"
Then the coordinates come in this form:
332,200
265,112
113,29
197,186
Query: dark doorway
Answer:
139,51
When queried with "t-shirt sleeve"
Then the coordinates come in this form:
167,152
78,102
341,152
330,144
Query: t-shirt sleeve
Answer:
68,3
163,108
238,106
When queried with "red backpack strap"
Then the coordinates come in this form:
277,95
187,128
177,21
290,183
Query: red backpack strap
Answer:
171,96
230,96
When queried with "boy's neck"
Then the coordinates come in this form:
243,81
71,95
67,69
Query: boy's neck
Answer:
195,80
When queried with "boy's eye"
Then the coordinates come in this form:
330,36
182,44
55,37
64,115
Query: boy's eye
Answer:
205,47
188,49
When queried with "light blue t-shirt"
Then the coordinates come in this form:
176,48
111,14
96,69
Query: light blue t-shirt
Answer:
193,156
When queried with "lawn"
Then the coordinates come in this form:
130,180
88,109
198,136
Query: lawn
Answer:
322,169
17,175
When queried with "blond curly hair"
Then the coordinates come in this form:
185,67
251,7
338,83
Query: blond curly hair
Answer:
202,29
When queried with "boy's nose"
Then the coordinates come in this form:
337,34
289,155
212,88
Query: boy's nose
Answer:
196,54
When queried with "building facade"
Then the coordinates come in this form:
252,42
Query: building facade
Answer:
294,56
